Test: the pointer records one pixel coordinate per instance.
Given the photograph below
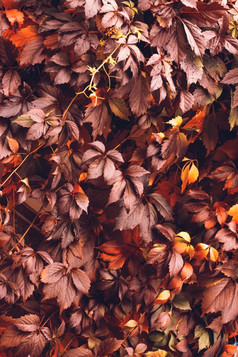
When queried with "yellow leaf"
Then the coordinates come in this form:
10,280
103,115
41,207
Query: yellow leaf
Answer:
131,323
193,174
185,236
184,177
158,353
213,254
26,182
233,212
177,121
162,297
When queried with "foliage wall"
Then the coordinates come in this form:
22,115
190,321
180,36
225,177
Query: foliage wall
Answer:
120,119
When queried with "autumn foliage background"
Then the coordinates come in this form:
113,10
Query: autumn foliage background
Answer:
120,118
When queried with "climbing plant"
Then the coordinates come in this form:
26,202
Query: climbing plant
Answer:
119,119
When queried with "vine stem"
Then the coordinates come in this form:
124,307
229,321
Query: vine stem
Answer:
26,231
89,87
25,158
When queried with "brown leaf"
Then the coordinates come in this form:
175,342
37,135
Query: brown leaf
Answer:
176,263
10,82
223,297
78,352
140,95
100,119
108,346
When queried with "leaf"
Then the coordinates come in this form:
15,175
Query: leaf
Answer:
139,97
233,117
10,82
13,144
14,15
32,53
162,298
81,280
100,119
189,174
195,38
233,212
109,346
24,120
92,7
203,337
231,77
193,67
223,297
64,285
28,323
119,108
162,206
175,146
181,303
78,352
35,131
186,101
24,35
176,263
235,98
228,238
187,271
26,335
210,133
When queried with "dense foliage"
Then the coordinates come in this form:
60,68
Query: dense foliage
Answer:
120,118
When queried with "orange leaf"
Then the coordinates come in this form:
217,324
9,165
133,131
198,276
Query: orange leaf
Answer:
83,176
78,188
196,124
175,284
23,36
14,15
201,251
221,212
233,212
189,175
13,145
229,350
187,271
182,244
